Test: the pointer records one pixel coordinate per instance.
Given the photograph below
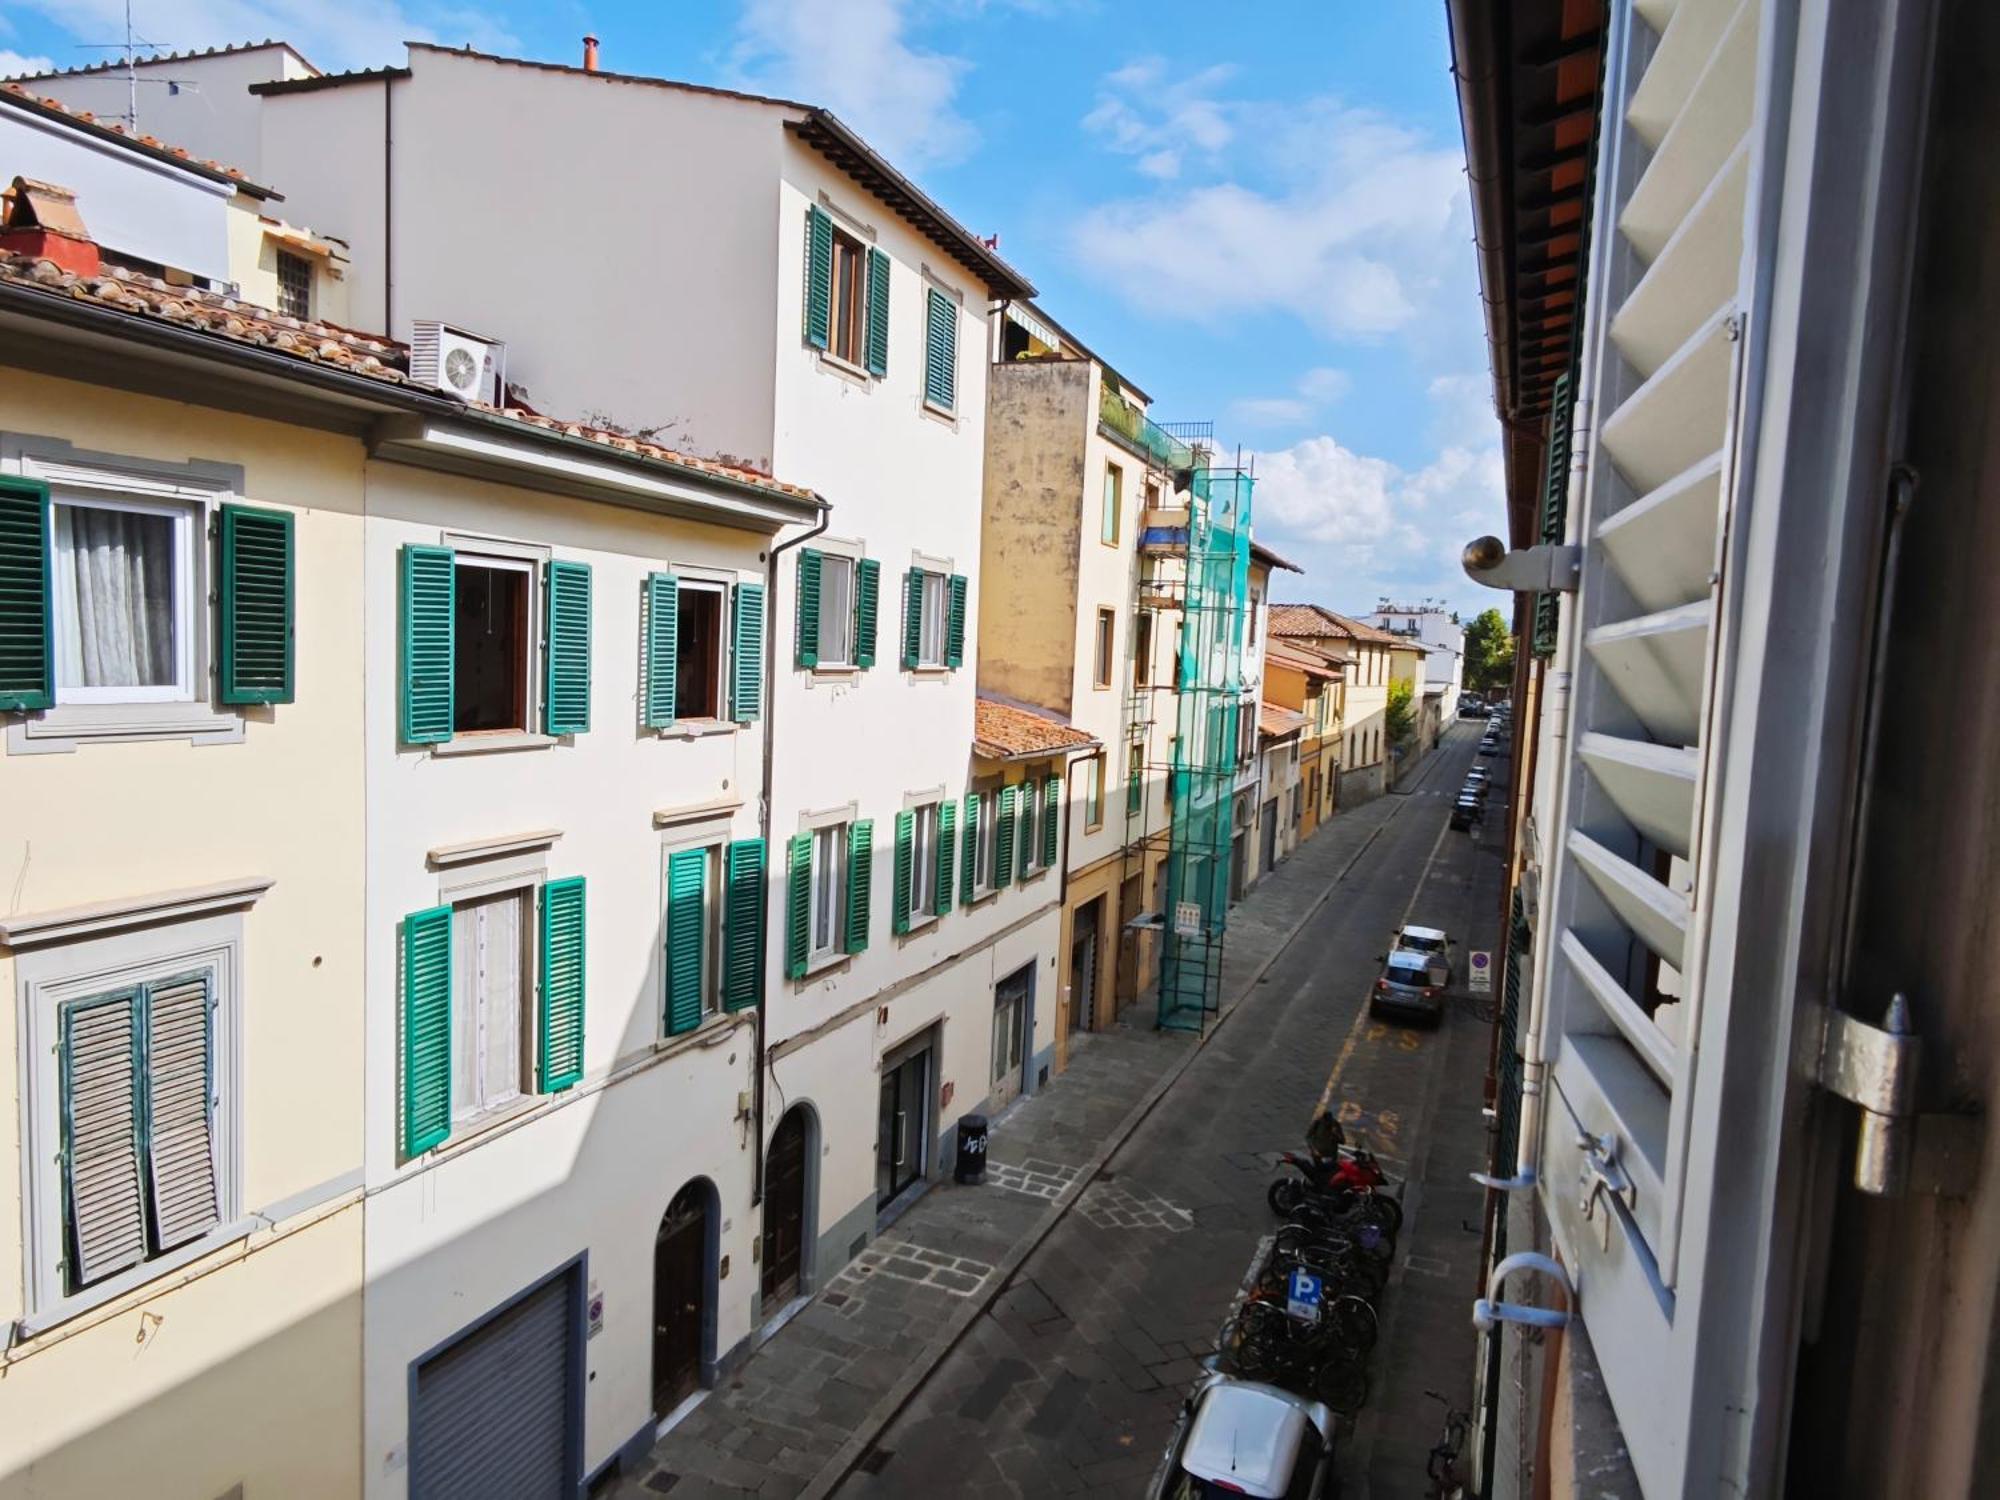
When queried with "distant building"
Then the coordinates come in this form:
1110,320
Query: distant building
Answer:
1443,636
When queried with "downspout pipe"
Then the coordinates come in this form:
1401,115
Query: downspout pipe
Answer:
764,801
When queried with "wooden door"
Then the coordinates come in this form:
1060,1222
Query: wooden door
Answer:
680,1290
784,1211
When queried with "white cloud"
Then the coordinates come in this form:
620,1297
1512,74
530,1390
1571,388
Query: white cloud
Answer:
1142,110
1317,388
855,59
1164,165
18,65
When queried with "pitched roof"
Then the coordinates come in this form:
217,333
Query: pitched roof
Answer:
1318,620
1276,723
1304,659
192,54
1270,559
1006,731
19,97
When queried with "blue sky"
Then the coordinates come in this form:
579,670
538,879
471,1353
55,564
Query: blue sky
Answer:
1255,210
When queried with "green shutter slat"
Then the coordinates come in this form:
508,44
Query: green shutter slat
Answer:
906,840
968,863
798,905
878,313
426,1029
27,615
663,624
947,824
867,609
807,645
429,586
954,647
566,700
940,350
686,929
1003,838
746,655
1052,809
103,1136
562,984
860,879
819,277
1555,507
743,926
254,591
913,616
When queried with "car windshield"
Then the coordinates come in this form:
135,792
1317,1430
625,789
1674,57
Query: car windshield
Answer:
1186,1486
1409,973
1422,944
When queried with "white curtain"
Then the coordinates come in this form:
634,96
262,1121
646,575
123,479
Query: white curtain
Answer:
115,570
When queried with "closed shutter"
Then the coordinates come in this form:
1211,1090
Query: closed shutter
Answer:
1555,505
940,350
566,706
562,983
101,1130
1052,808
913,616
1025,808
663,621
867,609
27,628
180,1109
1003,837
426,1029
806,647
254,588
968,864
860,879
746,655
906,834
687,932
496,1412
819,277
954,650
947,825
878,313
798,906
743,926
429,605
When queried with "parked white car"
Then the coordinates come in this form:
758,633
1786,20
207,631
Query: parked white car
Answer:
1240,1437
1434,945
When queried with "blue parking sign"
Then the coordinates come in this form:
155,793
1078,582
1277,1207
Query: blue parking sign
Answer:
1303,1295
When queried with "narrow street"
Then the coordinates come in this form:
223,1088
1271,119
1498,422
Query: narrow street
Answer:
1071,1379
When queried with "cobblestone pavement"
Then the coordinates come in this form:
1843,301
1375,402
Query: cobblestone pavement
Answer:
1068,1380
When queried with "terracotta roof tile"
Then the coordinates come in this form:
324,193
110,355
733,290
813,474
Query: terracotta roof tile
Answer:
24,96
1318,620
1005,731
1275,722
1304,659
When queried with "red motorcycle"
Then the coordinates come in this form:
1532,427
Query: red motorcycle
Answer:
1336,1183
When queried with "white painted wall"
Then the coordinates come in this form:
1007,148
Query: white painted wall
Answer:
1444,663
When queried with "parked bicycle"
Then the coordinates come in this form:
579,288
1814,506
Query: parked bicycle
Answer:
1447,1479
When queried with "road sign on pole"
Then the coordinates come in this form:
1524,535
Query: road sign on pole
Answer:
1480,972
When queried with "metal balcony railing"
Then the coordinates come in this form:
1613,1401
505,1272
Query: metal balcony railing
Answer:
1123,418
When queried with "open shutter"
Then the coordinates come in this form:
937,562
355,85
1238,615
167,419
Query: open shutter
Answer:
426,1029
180,1106
867,609
906,838
806,647
562,984
254,590
1025,808
1555,505
104,1201
27,630
663,622
878,313
968,863
1003,837
566,644
743,926
913,616
819,277
860,873
798,905
1052,809
947,823
940,350
429,605
746,655
687,930
954,646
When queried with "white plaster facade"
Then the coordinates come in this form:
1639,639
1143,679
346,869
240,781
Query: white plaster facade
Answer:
1443,637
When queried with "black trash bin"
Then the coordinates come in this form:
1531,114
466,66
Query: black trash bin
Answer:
971,1164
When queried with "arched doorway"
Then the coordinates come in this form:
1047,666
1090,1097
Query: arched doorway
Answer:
683,1295
788,1209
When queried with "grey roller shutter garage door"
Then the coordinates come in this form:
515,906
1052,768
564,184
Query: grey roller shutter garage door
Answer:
494,1414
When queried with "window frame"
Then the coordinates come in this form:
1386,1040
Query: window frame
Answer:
527,893
844,618
531,644
1028,815
685,585
1093,792
1104,648
933,618
853,306
986,843
1012,1056
827,837
925,852
1111,514
303,263
1142,649
187,518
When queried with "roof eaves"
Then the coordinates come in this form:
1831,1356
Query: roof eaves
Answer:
195,54
54,109
327,81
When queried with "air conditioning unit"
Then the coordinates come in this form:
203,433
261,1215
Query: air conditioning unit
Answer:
458,363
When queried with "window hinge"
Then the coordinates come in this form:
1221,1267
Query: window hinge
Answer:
1548,568
1897,1149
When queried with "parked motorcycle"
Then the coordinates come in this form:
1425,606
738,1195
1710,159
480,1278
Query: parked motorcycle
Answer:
1334,1184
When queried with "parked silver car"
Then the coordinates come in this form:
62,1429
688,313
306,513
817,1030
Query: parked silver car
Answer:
1241,1437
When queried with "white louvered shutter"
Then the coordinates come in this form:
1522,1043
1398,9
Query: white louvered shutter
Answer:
180,1110
104,1203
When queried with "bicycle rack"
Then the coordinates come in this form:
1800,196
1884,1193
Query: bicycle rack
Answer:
1488,1310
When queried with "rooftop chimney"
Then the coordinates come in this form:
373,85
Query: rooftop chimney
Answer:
42,222
590,54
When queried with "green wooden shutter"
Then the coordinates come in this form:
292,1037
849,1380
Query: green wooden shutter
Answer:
254,589
562,984
1052,810
906,839
426,1029
867,609
947,824
954,644
819,277
27,621
1025,808
1555,507
663,626
566,645
179,1117
940,350
968,863
798,905
878,313
806,647
103,1126
1003,838
913,616
746,655
743,926
429,609
860,875
687,929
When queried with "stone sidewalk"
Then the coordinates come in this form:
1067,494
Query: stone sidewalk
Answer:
803,1409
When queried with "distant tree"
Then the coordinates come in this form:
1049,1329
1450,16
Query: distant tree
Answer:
1489,653
1399,718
